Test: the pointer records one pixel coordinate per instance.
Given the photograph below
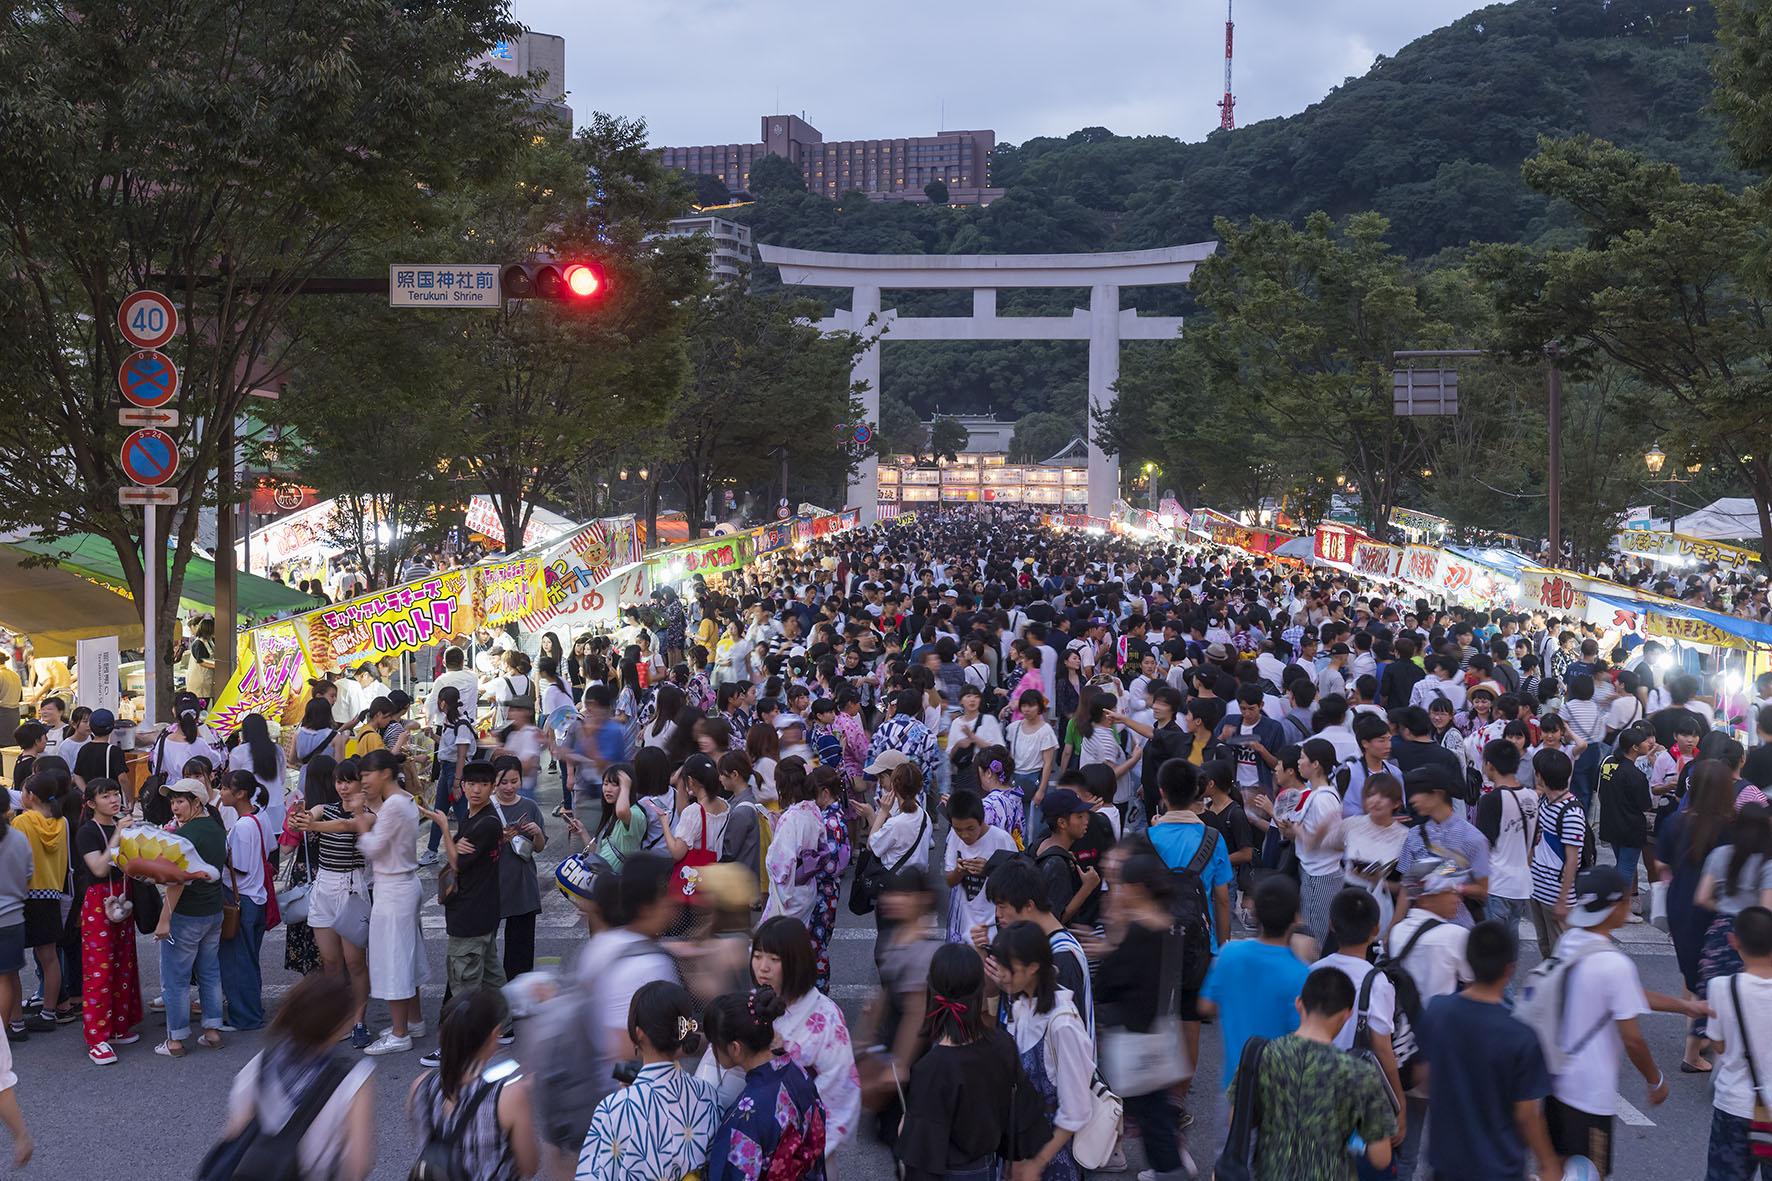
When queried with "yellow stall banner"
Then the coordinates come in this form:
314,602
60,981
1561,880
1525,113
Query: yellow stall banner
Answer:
508,591
386,623
270,677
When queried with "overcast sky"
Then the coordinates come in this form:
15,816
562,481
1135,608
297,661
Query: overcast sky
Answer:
702,71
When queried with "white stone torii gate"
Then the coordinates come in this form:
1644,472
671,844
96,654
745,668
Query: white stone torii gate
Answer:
1104,324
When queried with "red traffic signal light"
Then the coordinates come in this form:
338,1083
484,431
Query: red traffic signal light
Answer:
571,282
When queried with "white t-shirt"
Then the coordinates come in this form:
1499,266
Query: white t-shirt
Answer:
1436,963
689,826
1734,1086
1382,1005
614,979
467,684
526,744
1602,987
1510,860
1025,749
897,834
1366,844
973,907
984,727
246,855
1322,816
1624,710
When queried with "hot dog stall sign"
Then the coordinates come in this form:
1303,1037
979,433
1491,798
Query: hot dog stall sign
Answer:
509,591
268,679
389,622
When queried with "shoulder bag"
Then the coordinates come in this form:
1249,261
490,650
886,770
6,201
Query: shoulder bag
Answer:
1144,1062
1759,1127
1237,1161
871,876
1094,1142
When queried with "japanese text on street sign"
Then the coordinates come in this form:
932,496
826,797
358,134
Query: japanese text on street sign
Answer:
442,285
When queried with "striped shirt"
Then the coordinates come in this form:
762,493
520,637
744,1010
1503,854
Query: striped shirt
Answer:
338,850
1560,824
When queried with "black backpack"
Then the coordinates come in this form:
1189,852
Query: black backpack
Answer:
440,1158
1405,1045
257,1155
1192,908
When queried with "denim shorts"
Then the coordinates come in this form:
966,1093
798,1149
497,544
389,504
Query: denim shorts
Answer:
12,948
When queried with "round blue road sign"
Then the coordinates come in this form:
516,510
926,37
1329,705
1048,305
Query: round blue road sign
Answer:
149,456
148,379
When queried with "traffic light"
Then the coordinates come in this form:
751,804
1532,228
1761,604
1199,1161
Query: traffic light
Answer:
576,281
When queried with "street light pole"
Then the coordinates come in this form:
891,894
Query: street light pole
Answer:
1553,395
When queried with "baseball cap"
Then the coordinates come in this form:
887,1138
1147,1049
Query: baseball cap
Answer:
888,760
1061,802
1597,891
189,787
102,721
785,720
400,700
1341,650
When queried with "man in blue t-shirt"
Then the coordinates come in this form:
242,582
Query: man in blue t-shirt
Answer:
1176,835
1489,1076
1253,983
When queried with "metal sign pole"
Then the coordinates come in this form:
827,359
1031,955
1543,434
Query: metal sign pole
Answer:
151,567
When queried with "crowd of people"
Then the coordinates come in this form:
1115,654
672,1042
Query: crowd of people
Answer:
1088,795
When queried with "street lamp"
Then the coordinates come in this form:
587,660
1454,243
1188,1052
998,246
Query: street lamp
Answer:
1654,460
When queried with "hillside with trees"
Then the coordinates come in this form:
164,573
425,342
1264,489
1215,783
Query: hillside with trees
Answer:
1432,139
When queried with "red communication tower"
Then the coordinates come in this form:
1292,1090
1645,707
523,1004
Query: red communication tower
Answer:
1227,106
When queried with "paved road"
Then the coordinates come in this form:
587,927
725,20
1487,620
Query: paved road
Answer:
153,1118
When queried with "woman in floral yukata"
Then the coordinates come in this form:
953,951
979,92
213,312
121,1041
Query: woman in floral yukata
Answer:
811,1030
833,859
775,1131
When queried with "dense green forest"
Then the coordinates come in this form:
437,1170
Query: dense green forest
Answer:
1432,138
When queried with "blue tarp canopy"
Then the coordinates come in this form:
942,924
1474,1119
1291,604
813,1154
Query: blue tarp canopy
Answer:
1504,561
1746,629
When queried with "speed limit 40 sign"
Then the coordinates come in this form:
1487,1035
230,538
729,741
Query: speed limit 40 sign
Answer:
147,319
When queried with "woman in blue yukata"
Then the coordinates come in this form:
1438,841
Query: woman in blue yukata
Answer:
775,1131
658,1128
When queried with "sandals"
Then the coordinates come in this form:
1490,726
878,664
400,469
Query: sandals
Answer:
165,1050
1688,1068
211,1039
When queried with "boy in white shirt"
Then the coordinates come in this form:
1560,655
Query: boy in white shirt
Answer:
1353,917
1604,998
965,861
1741,1023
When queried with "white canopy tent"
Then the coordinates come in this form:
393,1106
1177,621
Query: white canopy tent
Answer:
1732,518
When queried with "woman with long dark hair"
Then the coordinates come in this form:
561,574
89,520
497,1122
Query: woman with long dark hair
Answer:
1736,875
623,825
484,1115
246,882
665,707
658,1127
835,851
264,759
968,1103
1685,842
776,1128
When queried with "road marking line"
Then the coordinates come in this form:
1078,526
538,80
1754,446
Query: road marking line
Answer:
1630,1115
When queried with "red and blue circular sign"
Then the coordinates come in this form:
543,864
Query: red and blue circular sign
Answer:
148,379
863,435
149,456
147,319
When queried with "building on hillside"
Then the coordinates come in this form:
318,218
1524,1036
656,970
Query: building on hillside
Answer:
883,169
983,432
982,478
732,255
535,53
